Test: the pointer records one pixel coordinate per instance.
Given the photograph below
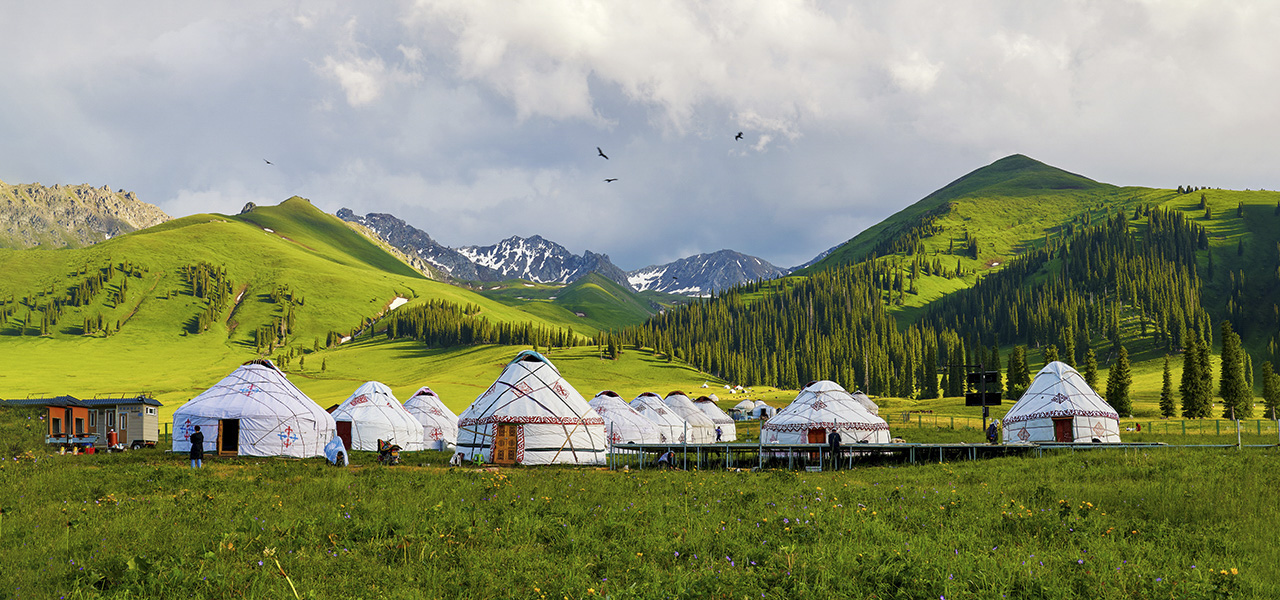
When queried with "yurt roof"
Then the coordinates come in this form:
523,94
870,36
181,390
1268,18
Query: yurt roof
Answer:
530,390
614,410
426,401
1058,391
255,389
653,408
825,405
712,410
682,405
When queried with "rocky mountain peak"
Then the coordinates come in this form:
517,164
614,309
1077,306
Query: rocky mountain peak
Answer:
70,215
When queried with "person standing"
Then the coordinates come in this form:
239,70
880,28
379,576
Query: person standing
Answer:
197,449
719,432
833,440
991,432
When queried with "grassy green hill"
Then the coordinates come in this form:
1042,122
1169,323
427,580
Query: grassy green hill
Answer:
281,260
591,304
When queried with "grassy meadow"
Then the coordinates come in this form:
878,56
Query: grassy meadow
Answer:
1164,523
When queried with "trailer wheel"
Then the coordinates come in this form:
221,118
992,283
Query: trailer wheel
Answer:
136,445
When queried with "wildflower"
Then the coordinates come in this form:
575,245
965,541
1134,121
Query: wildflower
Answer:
1234,571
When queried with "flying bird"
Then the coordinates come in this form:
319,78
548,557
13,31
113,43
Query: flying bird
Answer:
601,152
611,180
739,136
266,161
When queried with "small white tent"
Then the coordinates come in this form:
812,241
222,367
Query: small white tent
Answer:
439,424
532,416
702,430
761,410
746,406
671,427
372,413
1059,406
820,407
728,429
254,411
622,424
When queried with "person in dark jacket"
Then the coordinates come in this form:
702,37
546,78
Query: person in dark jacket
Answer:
834,439
197,449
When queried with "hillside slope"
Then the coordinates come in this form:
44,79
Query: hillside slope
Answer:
172,308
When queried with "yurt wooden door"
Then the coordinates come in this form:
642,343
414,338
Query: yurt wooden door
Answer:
228,437
817,436
1062,430
344,432
505,443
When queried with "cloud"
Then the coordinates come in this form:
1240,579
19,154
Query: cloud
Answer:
478,119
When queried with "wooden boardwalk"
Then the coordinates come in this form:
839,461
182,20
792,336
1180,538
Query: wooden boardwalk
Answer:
817,457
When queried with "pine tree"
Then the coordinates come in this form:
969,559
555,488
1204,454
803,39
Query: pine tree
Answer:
1248,374
1091,368
1018,374
1206,375
1118,382
1050,354
929,386
1235,399
1189,388
1167,409
1270,391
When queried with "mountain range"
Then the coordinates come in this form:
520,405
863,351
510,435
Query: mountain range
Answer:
189,298
540,260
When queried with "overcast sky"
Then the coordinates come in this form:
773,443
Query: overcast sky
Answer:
477,120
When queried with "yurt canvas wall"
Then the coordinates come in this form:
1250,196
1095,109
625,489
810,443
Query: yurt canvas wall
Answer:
254,411
622,424
439,424
372,413
702,430
728,429
820,407
671,426
762,410
532,416
1059,406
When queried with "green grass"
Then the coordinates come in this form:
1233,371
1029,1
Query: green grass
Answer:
1096,525
589,305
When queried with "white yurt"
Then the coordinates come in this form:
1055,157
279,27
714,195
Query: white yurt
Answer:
372,413
866,402
702,430
820,407
622,424
728,428
763,411
1060,407
671,426
254,411
746,406
532,416
439,424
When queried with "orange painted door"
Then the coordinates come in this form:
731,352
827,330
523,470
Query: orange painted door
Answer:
504,443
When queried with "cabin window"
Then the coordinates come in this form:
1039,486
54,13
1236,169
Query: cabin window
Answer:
93,418
111,418
56,425
151,411
79,426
